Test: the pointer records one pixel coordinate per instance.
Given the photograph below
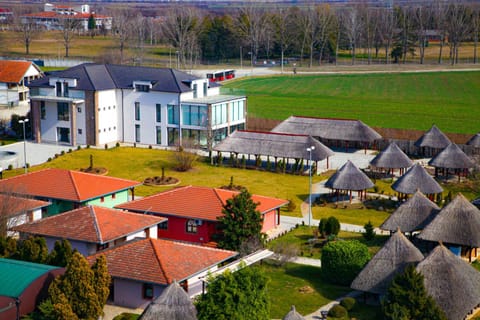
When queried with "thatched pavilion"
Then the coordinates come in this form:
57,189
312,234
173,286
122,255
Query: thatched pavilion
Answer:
452,157
332,132
474,142
458,224
412,215
417,178
276,145
347,179
391,259
451,282
392,158
432,141
173,304
293,315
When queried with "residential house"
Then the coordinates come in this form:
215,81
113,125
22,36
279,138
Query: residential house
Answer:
98,104
192,212
68,189
91,229
14,78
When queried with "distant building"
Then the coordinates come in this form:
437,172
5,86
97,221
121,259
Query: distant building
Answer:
14,77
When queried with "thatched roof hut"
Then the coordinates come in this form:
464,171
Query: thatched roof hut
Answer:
452,157
416,178
432,141
349,178
457,223
293,315
173,304
391,158
391,259
474,141
412,215
451,282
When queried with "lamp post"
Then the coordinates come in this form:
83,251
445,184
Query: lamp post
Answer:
178,59
24,143
309,150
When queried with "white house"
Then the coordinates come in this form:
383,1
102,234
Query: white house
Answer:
99,104
14,77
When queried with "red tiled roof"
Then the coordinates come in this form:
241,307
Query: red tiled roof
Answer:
65,184
15,205
12,71
160,261
195,202
90,224
56,15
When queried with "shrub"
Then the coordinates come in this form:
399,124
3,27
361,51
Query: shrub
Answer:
88,146
69,150
348,303
291,206
150,146
337,311
321,226
332,226
49,159
343,260
10,167
106,146
244,162
369,233
28,165
127,316
117,144
79,147
62,152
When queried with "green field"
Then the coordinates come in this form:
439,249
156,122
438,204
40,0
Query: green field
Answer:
394,100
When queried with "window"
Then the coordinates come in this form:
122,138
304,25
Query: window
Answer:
147,291
102,246
65,89
142,87
43,112
173,114
62,111
159,135
79,131
158,109
102,199
58,88
194,115
137,133
113,196
79,110
205,89
195,93
163,225
191,226
172,136
137,111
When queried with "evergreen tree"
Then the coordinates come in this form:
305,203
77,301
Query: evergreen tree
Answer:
101,279
8,247
61,254
407,298
92,25
32,249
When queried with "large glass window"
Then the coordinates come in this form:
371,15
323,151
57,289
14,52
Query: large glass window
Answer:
191,226
65,89
205,89
137,133
147,291
58,88
173,114
158,112
194,115
173,138
195,88
159,135
43,112
137,111
62,111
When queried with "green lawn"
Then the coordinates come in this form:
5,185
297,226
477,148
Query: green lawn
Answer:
396,100
351,215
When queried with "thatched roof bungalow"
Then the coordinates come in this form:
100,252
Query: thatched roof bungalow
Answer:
417,178
392,158
332,132
391,259
173,304
293,315
349,178
474,141
412,215
432,141
452,157
451,282
458,223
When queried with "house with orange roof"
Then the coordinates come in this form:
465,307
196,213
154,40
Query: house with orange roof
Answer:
142,269
15,211
69,189
91,229
192,211
14,77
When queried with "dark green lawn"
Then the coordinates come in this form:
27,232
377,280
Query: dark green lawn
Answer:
396,100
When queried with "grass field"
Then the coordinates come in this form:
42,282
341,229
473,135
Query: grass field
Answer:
395,100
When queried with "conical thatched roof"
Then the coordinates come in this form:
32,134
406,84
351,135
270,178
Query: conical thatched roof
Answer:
452,157
433,138
390,260
451,282
457,223
349,177
416,178
173,304
392,158
474,141
293,315
274,144
412,215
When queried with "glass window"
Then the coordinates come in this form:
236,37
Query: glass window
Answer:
137,133
173,114
142,87
147,291
191,226
172,136
195,93
241,110
137,111
163,225
43,112
62,111
205,89
58,88
158,109
186,115
159,135
65,89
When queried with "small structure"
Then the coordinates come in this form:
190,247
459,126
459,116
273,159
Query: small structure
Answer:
14,77
412,215
452,157
173,304
432,141
417,178
276,145
293,315
457,224
390,260
349,178
15,211
392,158
452,283
474,142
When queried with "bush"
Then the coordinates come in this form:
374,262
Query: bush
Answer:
62,152
150,146
291,206
343,260
337,311
10,167
321,227
369,233
332,226
106,146
348,303
79,147
49,159
127,316
117,144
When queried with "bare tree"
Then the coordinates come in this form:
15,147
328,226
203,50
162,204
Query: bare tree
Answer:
352,26
439,12
251,24
138,38
121,28
26,28
475,29
458,27
70,26
371,23
12,210
385,31
325,19
422,16
284,33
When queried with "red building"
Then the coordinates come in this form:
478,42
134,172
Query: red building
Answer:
192,212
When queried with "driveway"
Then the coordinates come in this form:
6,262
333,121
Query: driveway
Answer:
37,153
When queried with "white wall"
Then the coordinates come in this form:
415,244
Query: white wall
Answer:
107,117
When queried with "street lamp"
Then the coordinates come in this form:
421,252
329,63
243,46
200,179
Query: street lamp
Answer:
24,142
309,150
178,59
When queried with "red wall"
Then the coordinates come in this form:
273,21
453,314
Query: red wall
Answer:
269,220
177,230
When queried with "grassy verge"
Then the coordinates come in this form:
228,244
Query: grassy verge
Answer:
352,215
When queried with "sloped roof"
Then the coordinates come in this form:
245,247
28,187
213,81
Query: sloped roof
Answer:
412,215
349,177
56,15
391,259
391,158
195,202
18,275
173,304
416,178
329,128
161,261
90,224
15,205
457,223
451,282
474,141
13,71
452,157
65,184
293,315
274,144
433,138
